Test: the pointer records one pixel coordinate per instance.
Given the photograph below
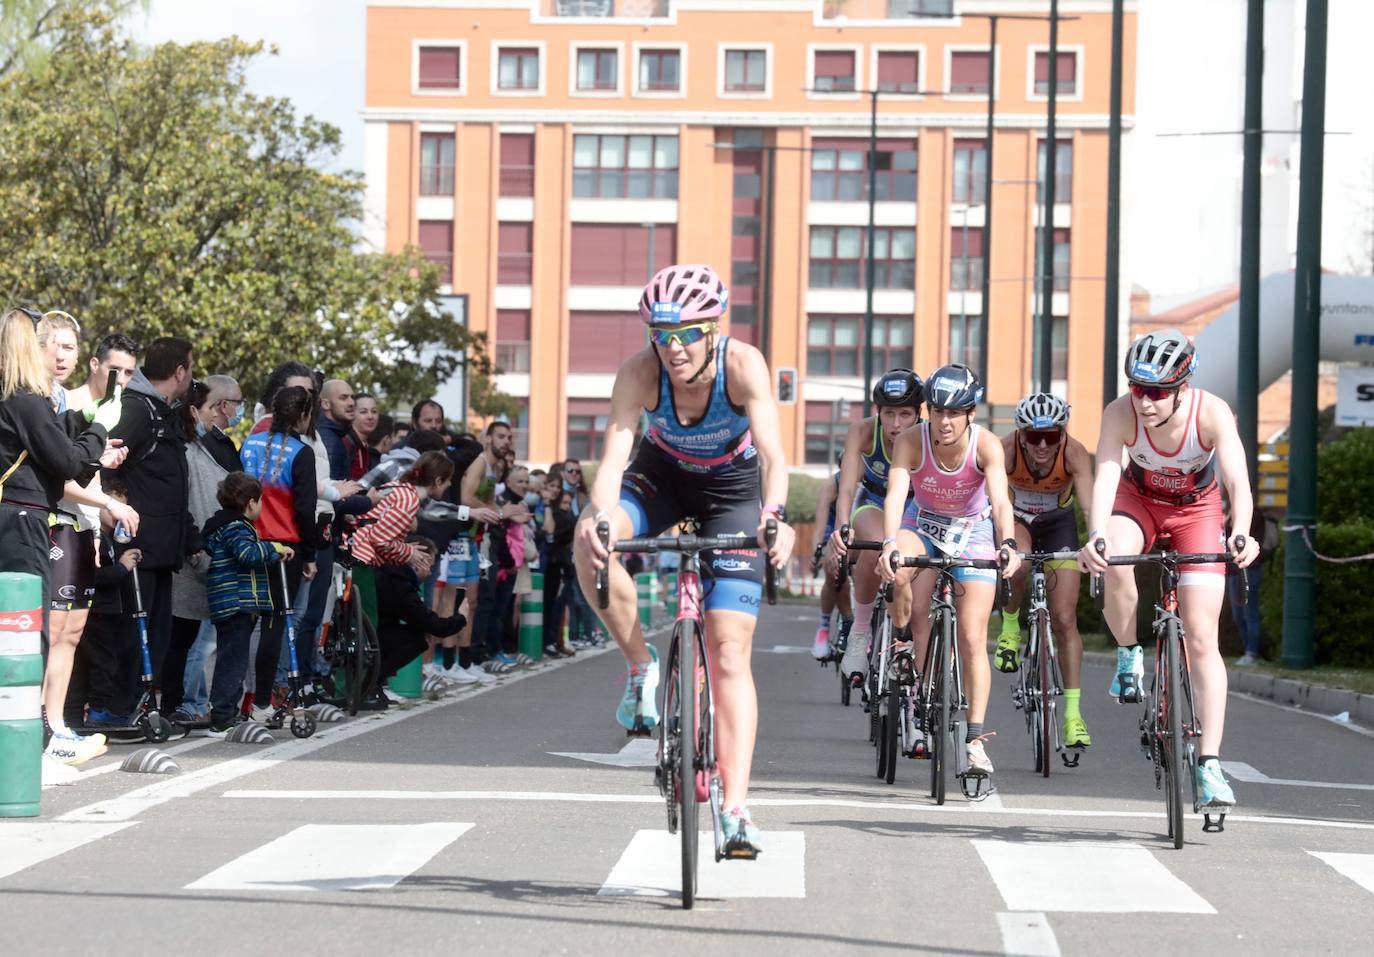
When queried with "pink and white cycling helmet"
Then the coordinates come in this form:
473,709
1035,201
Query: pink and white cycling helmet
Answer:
683,293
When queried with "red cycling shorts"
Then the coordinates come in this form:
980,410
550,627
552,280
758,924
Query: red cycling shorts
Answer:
1196,527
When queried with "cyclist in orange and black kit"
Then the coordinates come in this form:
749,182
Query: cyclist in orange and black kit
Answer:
1046,469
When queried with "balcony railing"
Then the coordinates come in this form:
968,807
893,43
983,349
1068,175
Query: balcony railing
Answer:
517,181
628,9
514,269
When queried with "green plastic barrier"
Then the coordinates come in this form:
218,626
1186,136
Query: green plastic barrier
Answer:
21,682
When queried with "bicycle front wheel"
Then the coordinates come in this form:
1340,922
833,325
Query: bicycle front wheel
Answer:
686,773
941,741
1174,763
1044,709
355,650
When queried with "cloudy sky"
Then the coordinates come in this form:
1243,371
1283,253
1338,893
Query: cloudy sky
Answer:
320,64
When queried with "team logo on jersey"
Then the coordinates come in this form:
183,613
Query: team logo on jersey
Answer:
67,592
929,480
879,467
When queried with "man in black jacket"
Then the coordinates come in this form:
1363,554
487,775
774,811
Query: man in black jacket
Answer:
155,475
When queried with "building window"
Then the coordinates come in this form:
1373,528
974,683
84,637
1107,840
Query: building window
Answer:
966,259
746,71
1066,76
827,424
660,71
515,247
832,345
436,242
834,71
1060,256
513,340
598,70
966,340
517,68
968,72
586,426
624,167
614,254
838,258
1063,171
899,71
839,170
1059,347
441,68
436,164
600,342
970,171
517,164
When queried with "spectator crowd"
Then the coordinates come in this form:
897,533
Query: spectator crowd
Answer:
148,500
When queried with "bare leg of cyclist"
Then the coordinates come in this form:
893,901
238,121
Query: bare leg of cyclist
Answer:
1200,608
731,634
1063,584
974,608
1008,654
920,586
865,525
621,615
1121,597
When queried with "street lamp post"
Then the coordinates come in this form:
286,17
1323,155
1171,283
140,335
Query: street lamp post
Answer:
1047,218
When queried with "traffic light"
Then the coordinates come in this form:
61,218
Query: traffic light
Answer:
787,386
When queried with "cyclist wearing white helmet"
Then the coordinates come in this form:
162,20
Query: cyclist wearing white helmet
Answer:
1046,469
955,472
713,452
1174,493
897,395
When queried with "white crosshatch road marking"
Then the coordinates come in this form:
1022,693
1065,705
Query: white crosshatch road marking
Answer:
1027,935
1358,867
334,857
651,866
24,844
1109,878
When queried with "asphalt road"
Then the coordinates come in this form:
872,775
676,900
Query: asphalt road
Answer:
463,825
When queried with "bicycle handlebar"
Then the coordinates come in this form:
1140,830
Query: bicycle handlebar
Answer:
945,563
1037,557
1170,560
686,545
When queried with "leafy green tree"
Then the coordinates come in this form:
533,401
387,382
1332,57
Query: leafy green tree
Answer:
28,27
146,191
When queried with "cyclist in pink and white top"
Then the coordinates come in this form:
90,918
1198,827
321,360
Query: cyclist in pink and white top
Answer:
1173,438
957,473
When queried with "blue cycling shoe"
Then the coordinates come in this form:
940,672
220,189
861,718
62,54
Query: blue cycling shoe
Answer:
638,709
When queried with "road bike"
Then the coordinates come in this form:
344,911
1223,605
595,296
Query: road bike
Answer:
1039,682
349,639
1169,727
940,701
686,771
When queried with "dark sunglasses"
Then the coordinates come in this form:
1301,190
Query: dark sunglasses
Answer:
1152,392
573,469
1042,437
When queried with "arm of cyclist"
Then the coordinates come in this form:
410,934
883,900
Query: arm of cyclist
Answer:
749,374
993,462
1216,419
851,468
904,460
632,383
1081,468
824,498
1111,447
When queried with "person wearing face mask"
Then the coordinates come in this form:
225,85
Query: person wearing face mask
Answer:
223,410
190,601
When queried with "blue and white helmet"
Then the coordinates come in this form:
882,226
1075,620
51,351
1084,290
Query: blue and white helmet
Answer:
1042,411
954,386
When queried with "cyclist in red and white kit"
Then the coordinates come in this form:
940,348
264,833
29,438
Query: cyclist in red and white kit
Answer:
1173,439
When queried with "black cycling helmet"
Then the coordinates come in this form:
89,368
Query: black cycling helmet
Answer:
1165,358
954,386
898,388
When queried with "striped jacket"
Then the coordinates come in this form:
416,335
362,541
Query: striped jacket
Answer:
383,540
239,566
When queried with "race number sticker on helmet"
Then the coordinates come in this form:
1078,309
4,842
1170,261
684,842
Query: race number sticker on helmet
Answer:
1042,411
666,312
696,291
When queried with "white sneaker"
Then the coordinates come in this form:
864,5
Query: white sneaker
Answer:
457,675
481,676
392,696
55,773
73,749
1246,660
262,715
978,761
855,660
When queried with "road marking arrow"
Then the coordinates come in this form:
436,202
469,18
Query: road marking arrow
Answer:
637,753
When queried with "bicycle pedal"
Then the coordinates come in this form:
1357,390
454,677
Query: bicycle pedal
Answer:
1210,827
1130,690
1071,755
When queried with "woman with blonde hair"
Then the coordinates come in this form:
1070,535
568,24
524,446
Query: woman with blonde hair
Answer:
37,456
72,529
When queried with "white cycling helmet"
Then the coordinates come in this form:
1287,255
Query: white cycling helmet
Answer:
1042,411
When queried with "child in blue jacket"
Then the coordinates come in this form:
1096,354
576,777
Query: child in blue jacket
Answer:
238,588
